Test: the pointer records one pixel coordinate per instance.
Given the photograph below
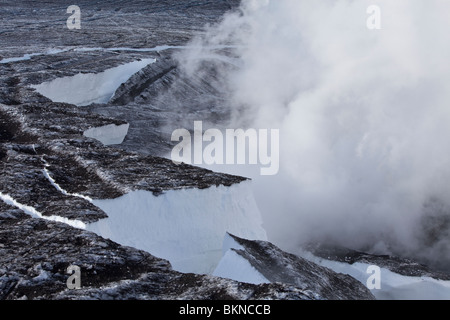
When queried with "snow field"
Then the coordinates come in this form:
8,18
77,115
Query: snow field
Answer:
183,226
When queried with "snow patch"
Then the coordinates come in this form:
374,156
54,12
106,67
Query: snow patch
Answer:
234,266
108,135
84,89
36,214
230,243
184,226
393,285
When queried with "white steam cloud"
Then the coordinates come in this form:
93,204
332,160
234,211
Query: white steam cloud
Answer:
364,118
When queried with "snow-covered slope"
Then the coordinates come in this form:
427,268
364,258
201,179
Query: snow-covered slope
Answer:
183,226
84,89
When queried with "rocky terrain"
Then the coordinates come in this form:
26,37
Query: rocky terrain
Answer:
401,266
50,171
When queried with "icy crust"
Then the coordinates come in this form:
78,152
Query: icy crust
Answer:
84,89
184,226
110,134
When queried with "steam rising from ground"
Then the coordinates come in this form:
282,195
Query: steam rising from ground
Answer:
364,118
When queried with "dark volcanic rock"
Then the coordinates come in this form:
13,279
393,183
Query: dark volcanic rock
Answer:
155,101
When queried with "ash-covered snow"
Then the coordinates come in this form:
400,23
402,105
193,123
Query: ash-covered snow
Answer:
84,89
183,226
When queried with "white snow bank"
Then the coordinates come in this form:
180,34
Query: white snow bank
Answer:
393,285
184,226
109,134
36,214
235,267
84,89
